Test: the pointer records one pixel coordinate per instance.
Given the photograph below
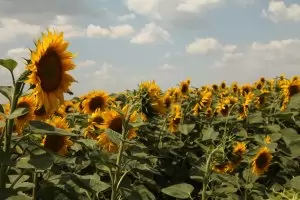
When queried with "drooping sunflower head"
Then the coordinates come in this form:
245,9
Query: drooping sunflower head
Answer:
48,66
57,143
69,106
261,161
95,100
167,100
175,117
21,121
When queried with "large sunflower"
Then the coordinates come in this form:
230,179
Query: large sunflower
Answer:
95,100
96,119
113,120
261,161
48,66
56,143
21,121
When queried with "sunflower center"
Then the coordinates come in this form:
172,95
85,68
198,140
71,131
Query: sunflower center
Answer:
294,89
176,120
116,124
49,70
22,105
68,109
261,161
40,111
167,102
54,142
96,102
184,88
98,120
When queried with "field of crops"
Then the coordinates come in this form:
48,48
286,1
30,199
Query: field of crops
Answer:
215,141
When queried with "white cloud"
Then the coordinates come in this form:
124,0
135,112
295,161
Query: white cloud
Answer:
197,5
104,72
126,17
86,63
167,67
151,33
261,59
113,31
206,45
63,23
18,52
145,7
11,28
278,11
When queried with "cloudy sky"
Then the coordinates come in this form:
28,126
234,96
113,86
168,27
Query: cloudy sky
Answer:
122,42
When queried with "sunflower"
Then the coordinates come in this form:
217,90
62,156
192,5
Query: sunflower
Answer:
246,89
226,167
48,66
184,87
95,100
90,132
261,161
267,139
223,85
262,79
21,121
234,87
113,120
57,143
215,87
239,148
69,106
96,119
167,100
40,113
175,118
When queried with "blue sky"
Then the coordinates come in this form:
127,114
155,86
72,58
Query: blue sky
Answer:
123,42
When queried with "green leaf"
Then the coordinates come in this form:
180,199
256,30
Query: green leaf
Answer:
12,178
22,186
144,193
242,133
294,103
284,115
90,143
18,112
6,91
42,161
226,189
295,148
295,183
9,64
186,128
19,197
137,124
272,146
55,193
209,134
274,128
255,118
289,135
114,136
180,191
275,137
42,128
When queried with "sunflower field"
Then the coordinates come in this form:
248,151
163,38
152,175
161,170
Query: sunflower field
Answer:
212,142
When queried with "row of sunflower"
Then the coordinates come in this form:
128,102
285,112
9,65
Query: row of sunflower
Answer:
210,142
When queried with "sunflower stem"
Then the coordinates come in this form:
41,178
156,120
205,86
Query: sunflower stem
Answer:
207,173
7,136
116,180
35,182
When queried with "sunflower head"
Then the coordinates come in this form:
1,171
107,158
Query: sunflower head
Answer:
261,161
223,85
239,148
294,87
96,118
57,143
95,100
184,86
215,87
21,121
48,66
226,167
